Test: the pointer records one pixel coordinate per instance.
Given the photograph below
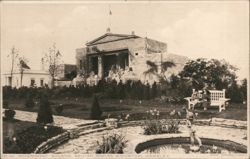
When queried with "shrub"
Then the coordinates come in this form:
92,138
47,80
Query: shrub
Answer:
112,144
59,109
44,113
153,127
29,102
172,126
158,127
96,111
9,114
30,138
5,103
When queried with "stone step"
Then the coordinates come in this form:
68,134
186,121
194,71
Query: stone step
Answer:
94,130
93,126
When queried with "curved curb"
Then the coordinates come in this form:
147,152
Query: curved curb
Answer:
52,142
70,134
226,123
227,144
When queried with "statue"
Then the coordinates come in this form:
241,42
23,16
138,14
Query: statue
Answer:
192,132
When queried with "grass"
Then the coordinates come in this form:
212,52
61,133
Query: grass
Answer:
80,108
28,135
17,125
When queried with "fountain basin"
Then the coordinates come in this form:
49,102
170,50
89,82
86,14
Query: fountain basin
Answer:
181,144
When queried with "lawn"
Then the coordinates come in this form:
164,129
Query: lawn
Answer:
80,108
24,137
17,125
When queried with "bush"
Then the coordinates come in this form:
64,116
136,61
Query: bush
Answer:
9,114
29,139
59,109
29,102
96,111
172,126
5,103
113,144
44,113
153,127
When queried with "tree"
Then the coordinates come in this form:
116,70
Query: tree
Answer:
71,75
154,90
121,90
13,55
243,88
45,112
153,69
214,73
96,111
22,66
53,59
165,66
29,102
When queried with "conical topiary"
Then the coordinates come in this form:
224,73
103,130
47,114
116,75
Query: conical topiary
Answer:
44,113
95,112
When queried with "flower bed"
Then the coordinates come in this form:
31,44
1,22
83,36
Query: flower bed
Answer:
27,140
155,126
114,143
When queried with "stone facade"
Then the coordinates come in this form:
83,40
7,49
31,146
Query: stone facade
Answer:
130,51
63,70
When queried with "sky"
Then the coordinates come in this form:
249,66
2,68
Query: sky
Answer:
208,29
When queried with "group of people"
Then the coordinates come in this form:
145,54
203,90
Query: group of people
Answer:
201,98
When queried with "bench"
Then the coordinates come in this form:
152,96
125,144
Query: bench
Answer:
217,98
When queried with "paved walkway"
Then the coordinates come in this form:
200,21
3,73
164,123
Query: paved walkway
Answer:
134,135
65,122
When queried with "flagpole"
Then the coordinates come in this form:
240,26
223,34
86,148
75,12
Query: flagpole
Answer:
110,13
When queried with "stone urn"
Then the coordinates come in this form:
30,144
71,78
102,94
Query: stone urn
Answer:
111,122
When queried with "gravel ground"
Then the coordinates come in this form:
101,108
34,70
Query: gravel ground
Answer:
134,135
64,122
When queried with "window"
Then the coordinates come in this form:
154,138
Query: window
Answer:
136,54
32,82
41,82
81,64
10,81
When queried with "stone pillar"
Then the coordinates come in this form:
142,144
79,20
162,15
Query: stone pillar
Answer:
100,67
89,69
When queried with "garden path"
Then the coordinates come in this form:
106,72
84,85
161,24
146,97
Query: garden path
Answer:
65,122
134,135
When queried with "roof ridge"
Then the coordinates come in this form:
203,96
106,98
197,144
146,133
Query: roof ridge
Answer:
112,34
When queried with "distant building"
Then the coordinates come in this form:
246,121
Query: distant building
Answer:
65,71
31,78
127,52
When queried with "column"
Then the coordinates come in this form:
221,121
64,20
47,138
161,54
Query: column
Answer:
100,67
89,69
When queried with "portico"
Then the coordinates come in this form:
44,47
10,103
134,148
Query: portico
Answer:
101,63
